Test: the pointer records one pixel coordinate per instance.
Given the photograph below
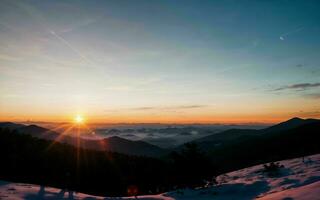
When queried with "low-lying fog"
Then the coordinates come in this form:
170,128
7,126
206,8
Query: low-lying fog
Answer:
166,136
162,135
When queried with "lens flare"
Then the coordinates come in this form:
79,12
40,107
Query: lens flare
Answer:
78,119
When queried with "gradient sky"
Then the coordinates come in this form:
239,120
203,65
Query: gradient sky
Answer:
159,61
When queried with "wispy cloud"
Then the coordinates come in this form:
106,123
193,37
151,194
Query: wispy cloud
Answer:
160,108
314,96
300,65
182,107
300,86
315,113
142,108
135,85
190,106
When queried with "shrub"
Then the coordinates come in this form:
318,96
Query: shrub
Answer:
272,168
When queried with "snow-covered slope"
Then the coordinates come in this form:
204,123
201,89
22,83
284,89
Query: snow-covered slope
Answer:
296,180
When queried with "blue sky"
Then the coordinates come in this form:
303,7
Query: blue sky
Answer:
159,61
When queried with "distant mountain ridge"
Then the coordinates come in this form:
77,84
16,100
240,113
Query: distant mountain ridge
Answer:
121,145
38,131
237,148
290,124
238,134
228,151
113,144
10,125
227,135
141,148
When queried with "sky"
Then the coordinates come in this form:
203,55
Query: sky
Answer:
159,61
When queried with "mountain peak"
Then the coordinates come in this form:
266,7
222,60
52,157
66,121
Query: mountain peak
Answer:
289,124
294,119
116,138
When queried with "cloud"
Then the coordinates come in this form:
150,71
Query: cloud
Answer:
165,108
183,107
143,108
300,86
314,96
308,114
190,106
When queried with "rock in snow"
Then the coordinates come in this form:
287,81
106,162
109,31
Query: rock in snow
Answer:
297,180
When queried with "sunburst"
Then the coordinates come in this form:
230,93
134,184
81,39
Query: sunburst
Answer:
78,119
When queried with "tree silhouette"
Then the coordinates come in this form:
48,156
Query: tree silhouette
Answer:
191,166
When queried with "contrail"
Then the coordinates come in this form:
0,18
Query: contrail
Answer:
290,32
37,17
70,46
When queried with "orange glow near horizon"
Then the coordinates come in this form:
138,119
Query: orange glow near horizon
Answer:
80,120
223,113
240,114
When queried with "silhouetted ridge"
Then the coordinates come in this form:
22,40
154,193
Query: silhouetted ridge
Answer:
238,148
240,136
10,125
116,138
114,143
121,145
230,134
39,132
289,124
33,129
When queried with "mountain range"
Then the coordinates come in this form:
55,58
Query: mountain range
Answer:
236,149
29,159
237,135
211,143
113,144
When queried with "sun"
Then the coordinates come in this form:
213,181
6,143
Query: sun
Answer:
78,119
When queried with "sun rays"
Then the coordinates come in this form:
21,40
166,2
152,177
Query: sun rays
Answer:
74,133
79,134
79,120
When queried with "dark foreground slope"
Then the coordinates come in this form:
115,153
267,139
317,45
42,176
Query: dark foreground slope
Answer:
28,159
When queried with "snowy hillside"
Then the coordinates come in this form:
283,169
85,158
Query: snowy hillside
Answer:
295,180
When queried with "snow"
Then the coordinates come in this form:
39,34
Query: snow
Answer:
297,180
310,191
